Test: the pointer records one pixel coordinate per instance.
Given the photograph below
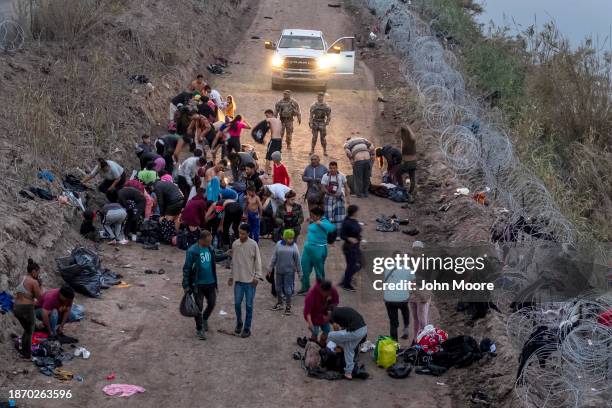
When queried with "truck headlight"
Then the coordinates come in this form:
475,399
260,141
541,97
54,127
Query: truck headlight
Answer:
277,61
324,62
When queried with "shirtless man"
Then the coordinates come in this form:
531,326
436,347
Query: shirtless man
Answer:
218,170
253,212
276,141
198,84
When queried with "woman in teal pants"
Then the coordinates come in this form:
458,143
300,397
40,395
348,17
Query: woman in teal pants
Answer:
315,248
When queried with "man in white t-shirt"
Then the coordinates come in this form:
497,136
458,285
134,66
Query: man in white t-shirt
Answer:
337,195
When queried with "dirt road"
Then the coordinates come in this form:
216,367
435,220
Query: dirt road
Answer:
146,342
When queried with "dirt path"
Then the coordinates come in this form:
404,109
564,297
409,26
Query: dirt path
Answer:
146,342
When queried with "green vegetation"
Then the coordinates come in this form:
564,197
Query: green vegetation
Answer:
557,101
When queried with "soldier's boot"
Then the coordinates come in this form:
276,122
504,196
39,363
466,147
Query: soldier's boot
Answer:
324,148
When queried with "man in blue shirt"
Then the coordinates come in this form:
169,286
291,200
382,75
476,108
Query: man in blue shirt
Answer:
200,276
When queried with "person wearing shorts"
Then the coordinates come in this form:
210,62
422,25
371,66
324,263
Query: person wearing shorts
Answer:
276,140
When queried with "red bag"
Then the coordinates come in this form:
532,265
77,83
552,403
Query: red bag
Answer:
430,339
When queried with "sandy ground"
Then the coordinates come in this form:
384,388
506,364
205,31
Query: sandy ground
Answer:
146,342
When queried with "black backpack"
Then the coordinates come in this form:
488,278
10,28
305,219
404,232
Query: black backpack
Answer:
259,132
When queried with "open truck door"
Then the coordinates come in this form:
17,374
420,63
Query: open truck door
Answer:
342,55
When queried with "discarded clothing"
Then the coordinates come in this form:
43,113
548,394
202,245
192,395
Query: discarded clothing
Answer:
122,390
459,351
430,339
32,192
387,224
63,375
46,175
73,183
399,195
141,79
215,69
542,342
6,302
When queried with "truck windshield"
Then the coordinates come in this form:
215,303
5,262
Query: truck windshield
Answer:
311,43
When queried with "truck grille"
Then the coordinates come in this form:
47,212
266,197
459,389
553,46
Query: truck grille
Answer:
300,63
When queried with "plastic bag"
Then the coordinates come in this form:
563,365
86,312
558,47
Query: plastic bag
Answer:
81,270
189,307
386,352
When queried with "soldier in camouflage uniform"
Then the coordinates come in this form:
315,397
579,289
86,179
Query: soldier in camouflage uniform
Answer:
286,109
320,115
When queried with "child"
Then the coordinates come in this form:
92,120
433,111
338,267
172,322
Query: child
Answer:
279,171
252,212
286,259
87,226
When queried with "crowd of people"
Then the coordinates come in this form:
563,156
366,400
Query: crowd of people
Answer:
204,189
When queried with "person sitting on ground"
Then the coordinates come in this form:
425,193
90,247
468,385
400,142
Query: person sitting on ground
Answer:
169,198
88,229
200,276
245,274
148,175
279,171
113,176
188,170
276,140
286,264
393,157
351,234
352,330
134,202
290,215
252,213
360,152
316,305
251,178
313,174
198,84
54,308
27,294
337,193
113,217
315,248
145,146
274,195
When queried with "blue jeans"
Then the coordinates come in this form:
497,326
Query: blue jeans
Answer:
253,221
244,290
326,328
76,314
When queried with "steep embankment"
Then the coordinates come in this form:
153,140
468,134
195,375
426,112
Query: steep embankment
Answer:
67,100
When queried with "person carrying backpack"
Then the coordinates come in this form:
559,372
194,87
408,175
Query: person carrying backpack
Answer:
200,276
320,233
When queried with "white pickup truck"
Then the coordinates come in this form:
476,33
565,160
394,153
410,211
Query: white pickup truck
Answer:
302,57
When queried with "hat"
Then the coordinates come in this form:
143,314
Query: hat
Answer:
276,156
166,177
288,234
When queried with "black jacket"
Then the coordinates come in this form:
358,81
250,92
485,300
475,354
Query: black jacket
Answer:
167,194
392,155
127,194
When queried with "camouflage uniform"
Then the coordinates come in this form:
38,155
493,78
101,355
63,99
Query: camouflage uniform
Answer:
320,116
286,110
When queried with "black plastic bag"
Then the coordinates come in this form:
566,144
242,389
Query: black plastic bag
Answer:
259,132
189,307
81,270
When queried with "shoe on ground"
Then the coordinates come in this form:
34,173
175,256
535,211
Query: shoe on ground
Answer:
302,292
288,311
201,335
277,306
348,288
245,333
238,328
123,242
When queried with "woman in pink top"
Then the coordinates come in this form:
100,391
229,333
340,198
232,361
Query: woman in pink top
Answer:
235,128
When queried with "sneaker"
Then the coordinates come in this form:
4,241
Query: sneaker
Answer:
201,335
302,292
245,333
238,328
205,325
348,288
277,306
288,311
123,242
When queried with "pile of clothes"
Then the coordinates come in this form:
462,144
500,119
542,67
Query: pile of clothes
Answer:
49,355
389,224
325,363
390,191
